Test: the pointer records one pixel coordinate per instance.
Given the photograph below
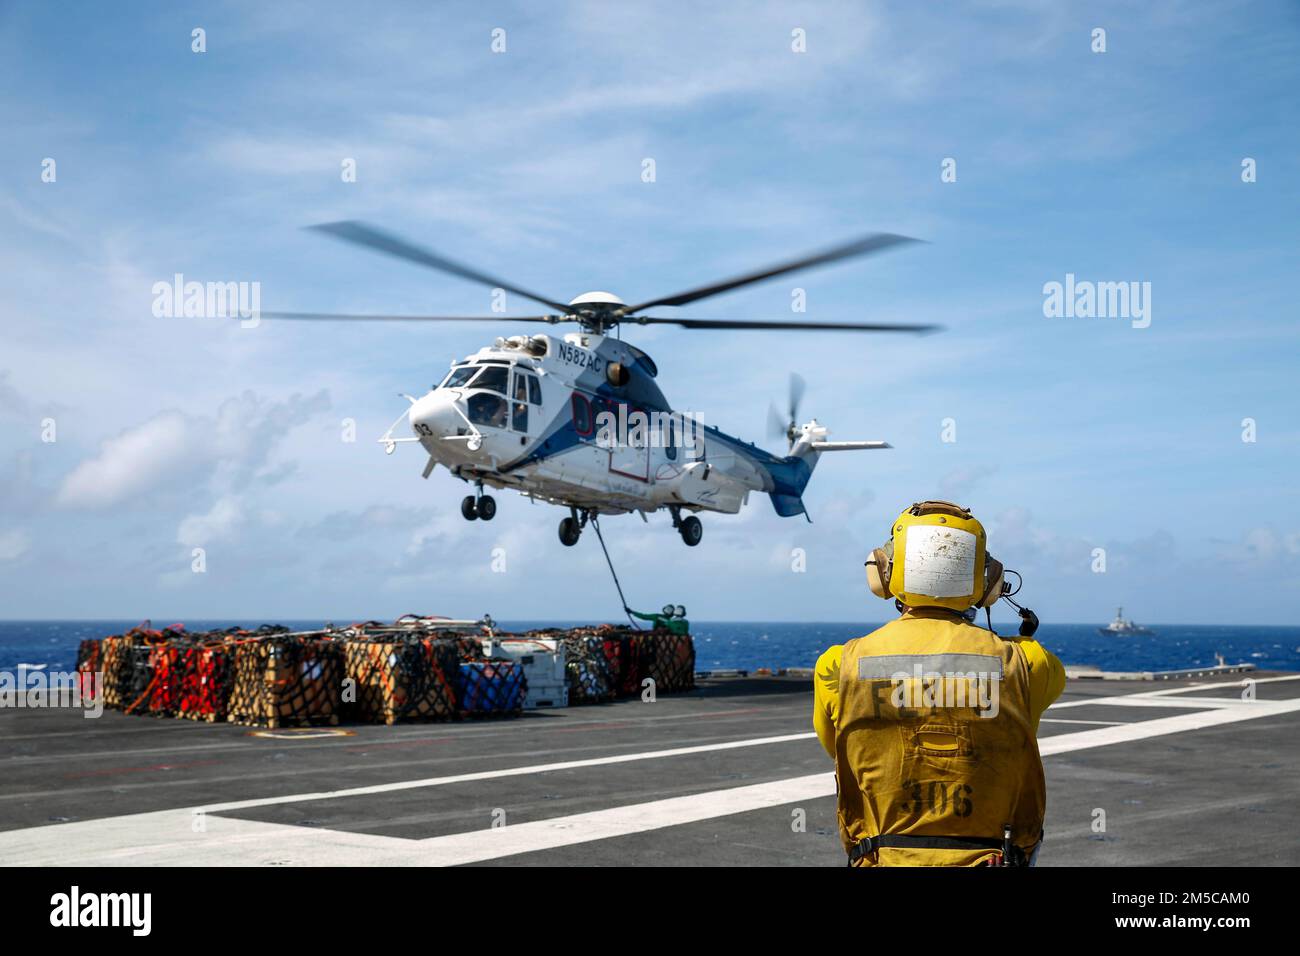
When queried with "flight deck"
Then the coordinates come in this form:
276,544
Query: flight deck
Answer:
1174,772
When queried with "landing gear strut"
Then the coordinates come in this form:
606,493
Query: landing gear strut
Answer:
571,527
689,527
478,505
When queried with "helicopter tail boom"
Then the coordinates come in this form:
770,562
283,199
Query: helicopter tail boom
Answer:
790,475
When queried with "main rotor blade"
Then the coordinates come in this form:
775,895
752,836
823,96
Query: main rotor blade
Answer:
876,242
342,317
779,326
360,234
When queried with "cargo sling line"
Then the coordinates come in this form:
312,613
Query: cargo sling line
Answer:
595,523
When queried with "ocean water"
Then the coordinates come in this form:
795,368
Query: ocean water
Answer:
750,645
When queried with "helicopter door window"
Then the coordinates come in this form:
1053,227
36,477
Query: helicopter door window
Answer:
494,377
521,387
519,421
534,390
670,441
485,409
581,414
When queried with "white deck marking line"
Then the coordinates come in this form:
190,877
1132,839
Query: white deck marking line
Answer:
1148,694
1189,703
1178,723
1142,700
1066,720
504,772
475,846
165,837
1223,683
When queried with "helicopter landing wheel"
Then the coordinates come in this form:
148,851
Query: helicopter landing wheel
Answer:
487,507
570,532
469,508
692,531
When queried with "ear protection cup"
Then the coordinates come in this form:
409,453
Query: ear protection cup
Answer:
878,570
992,581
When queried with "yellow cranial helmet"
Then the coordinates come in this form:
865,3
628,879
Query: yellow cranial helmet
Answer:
935,557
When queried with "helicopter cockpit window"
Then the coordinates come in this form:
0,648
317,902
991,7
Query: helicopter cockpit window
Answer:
458,376
519,417
489,410
495,377
534,390
521,387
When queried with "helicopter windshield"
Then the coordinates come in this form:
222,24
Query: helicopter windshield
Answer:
493,377
458,376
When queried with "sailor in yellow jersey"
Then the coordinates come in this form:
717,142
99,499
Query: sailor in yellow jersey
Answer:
932,720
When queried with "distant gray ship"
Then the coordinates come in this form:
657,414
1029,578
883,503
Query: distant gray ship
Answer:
1122,628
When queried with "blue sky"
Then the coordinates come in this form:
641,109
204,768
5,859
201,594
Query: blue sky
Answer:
1072,434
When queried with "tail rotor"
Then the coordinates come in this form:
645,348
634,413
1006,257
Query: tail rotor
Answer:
787,426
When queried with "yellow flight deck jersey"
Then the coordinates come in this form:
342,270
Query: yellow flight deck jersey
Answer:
934,762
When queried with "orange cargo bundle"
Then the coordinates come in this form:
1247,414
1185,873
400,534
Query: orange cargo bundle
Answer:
287,680
400,680
163,694
205,681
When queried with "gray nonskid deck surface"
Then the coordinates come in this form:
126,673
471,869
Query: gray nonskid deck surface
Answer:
125,789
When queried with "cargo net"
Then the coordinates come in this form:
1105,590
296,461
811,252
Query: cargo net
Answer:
414,669
490,688
402,679
667,658
206,673
629,657
286,680
118,666
591,676
146,679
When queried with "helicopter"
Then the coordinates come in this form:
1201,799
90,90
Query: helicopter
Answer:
577,420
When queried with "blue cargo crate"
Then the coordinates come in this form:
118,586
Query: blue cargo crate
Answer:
490,687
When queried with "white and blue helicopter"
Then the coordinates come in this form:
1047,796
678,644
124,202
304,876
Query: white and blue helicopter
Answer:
577,420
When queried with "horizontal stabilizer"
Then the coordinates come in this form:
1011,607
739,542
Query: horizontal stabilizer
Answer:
848,445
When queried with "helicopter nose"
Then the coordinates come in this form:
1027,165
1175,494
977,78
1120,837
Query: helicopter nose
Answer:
433,417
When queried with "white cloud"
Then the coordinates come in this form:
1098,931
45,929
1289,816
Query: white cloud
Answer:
231,450
220,522
131,463
13,545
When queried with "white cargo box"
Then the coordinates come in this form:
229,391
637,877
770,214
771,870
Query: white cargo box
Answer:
542,660
546,697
